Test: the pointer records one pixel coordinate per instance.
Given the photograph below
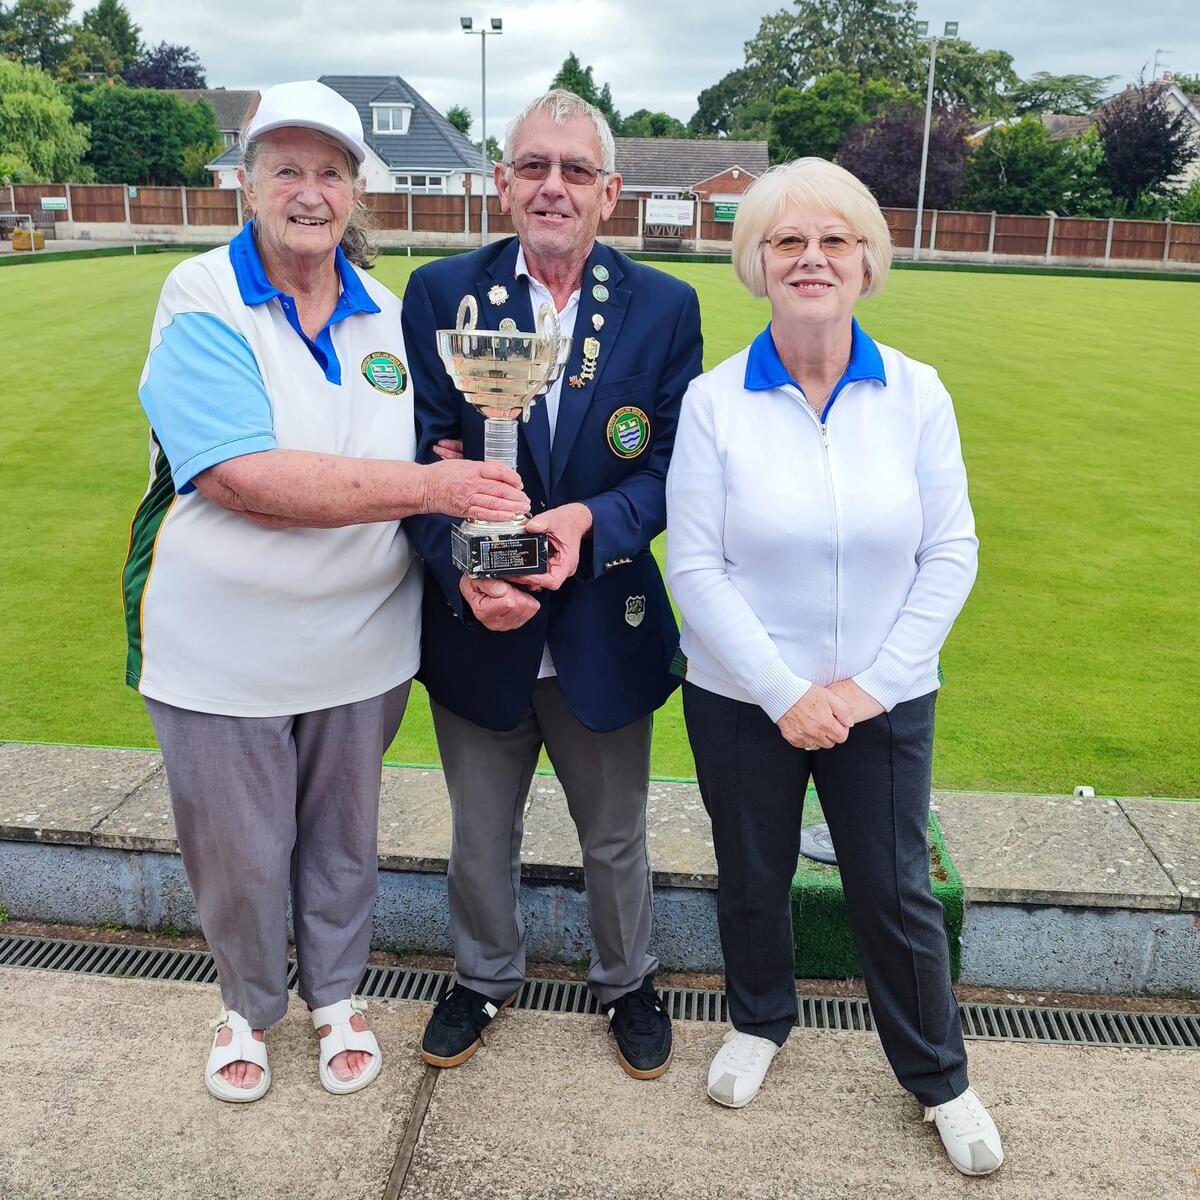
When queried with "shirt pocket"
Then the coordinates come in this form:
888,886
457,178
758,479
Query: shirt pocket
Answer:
631,385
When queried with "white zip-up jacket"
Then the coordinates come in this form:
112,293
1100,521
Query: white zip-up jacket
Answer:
805,549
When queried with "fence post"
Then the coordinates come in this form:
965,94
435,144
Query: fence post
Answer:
183,204
70,210
641,217
1167,243
933,231
1050,239
125,196
237,195
12,198
992,240
467,215
1108,242
408,212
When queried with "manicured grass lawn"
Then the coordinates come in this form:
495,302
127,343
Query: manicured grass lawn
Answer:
1076,660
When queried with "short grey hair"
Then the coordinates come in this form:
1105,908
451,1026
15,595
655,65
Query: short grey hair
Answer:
808,185
358,241
562,106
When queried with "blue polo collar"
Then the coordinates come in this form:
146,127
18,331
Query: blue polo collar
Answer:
765,369
255,288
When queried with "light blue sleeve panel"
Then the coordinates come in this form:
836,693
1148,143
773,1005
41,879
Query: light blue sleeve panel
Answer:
205,397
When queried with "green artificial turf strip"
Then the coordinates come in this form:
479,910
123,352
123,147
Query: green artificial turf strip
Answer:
824,945
1075,660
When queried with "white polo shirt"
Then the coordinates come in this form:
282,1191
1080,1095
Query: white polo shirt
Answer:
223,616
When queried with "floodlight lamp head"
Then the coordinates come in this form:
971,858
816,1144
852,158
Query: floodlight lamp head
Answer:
497,25
951,29
922,28
466,23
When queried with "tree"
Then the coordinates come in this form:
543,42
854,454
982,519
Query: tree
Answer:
644,123
460,117
193,163
37,32
573,76
976,79
166,66
89,57
1043,92
139,135
885,154
1087,186
1188,208
735,107
1146,146
38,139
873,39
815,120
1017,169
1189,85
111,21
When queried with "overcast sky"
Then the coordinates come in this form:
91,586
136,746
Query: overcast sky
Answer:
655,54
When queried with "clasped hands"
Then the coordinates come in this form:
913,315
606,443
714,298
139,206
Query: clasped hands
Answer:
823,716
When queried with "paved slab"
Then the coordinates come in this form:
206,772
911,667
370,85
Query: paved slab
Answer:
544,1113
1051,850
143,821
61,793
1172,831
103,1100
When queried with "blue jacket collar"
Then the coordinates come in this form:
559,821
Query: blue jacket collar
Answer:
765,369
256,288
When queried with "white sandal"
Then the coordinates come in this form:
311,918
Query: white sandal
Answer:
243,1047
343,1036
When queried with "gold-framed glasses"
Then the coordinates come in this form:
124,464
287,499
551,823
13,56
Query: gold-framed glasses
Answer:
535,167
833,245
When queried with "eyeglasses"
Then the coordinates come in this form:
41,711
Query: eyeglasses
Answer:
577,174
833,245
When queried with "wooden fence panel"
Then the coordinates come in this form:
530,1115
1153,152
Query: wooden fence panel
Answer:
712,230
624,220
438,214
963,231
903,222
212,206
498,222
156,206
1021,235
1080,237
1185,243
103,202
1139,239
28,197
390,209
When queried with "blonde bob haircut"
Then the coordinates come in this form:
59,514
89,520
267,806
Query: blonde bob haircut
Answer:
800,187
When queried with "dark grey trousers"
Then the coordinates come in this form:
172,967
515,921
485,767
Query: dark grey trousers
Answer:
874,791
268,805
605,777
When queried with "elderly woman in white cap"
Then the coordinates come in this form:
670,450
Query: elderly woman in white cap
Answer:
272,602
821,546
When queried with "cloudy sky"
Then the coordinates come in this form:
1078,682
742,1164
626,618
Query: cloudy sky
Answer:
656,55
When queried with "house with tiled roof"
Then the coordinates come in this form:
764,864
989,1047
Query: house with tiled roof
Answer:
674,168
232,109
411,146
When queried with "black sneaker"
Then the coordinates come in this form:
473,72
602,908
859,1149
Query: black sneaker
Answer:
642,1029
455,1031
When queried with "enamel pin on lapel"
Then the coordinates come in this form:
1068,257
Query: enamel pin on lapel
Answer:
600,271
498,293
597,321
600,293
635,610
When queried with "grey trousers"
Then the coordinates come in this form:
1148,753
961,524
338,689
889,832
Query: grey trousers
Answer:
605,776
268,805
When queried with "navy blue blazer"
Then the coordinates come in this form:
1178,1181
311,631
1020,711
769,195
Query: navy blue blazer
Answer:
610,627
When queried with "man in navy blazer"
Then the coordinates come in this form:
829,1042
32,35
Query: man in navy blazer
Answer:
576,659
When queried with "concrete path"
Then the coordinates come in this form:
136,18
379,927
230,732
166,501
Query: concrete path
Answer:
103,1100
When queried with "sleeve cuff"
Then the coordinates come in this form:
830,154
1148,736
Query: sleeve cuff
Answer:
885,681
778,688
183,475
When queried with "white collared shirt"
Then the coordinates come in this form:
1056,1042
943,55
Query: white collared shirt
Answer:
539,294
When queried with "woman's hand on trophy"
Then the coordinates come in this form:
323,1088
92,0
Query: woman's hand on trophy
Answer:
819,720
566,527
496,604
448,448
479,491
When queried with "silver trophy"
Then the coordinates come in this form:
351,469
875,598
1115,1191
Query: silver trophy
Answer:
501,373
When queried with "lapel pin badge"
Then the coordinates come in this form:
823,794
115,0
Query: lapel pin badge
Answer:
498,293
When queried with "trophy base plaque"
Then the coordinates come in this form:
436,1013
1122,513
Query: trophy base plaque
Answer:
484,552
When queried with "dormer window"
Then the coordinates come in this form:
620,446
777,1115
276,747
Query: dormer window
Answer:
391,118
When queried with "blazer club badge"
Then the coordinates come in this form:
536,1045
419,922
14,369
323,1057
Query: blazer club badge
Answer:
628,432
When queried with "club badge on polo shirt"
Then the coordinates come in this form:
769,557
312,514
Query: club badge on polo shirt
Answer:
628,432
385,372
635,610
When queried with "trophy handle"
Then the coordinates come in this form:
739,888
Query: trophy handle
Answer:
468,314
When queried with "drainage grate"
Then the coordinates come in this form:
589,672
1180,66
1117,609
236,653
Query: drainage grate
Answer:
993,1022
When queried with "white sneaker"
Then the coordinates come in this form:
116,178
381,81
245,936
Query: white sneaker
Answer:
739,1068
968,1133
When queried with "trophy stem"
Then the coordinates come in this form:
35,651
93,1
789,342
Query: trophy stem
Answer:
500,441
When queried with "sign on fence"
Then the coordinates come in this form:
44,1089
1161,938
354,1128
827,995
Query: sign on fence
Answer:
681,213
54,204
724,211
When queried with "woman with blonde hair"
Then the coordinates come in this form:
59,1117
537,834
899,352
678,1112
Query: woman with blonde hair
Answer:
821,546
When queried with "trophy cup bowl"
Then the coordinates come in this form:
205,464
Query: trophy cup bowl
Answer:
502,374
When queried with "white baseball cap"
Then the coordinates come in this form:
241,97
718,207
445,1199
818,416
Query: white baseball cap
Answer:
309,105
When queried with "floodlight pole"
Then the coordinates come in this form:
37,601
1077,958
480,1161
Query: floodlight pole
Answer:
951,31
497,27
